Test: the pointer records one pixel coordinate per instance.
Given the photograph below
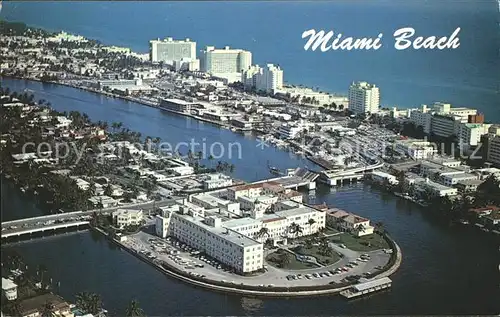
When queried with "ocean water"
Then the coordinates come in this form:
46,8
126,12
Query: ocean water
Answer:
468,76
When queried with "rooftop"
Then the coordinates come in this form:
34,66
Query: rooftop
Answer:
367,285
35,304
224,233
295,211
7,284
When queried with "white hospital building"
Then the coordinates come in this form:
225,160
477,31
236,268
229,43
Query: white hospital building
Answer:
228,224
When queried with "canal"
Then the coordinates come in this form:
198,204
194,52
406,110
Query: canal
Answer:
446,269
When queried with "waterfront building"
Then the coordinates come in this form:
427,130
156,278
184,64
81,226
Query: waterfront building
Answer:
36,306
346,221
225,63
214,181
311,97
449,179
435,189
213,221
469,185
293,130
177,105
268,79
207,235
364,98
170,50
382,177
416,149
9,289
127,217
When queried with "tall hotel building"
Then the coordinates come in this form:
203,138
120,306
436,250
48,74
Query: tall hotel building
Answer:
268,79
227,63
170,50
364,98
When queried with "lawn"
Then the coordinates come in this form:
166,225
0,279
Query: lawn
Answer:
330,231
314,251
273,259
366,243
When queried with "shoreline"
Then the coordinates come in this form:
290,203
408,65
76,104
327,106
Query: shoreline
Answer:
142,102
281,292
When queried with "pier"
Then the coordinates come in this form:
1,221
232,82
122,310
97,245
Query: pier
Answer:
367,287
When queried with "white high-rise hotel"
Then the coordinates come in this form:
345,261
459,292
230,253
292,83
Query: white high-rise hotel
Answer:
170,50
268,79
226,60
364,98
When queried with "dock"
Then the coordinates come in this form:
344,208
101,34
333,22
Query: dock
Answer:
367,287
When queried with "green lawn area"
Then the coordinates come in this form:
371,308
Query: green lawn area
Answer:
273,259
329,231
314,251
366,243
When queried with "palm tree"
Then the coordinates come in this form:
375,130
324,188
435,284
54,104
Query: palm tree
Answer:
263,232
133,309
48,310
89,302
359,229
311,222
15,308
285,259
294,229
324,246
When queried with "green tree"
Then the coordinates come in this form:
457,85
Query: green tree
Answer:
133,309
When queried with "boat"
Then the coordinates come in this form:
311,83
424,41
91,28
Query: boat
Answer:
274,170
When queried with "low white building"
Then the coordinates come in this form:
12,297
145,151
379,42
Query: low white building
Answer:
436,189
416,149
103,201
181,170
9,289
349,222
381,177
127,217
218,180
234,249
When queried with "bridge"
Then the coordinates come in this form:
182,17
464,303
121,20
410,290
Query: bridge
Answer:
295,179
67,220
337,177
43,228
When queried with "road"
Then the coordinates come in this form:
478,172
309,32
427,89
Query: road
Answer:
36,221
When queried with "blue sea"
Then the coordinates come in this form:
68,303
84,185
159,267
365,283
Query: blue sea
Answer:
272,30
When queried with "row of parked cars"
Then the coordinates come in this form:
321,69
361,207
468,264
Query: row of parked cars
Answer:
330,273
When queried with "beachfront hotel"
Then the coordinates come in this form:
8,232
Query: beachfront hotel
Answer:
170,50
231,225
225,63
364,98
268,79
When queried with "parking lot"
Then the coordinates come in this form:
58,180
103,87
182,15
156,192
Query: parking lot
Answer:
196,263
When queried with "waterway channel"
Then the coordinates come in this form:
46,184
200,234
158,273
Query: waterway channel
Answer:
446,269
